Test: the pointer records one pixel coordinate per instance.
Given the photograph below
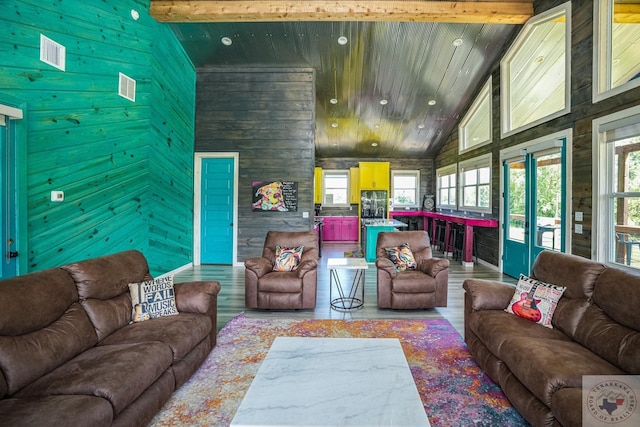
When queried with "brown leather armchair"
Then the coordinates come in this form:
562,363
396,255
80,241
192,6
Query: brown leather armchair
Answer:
268,289
425,286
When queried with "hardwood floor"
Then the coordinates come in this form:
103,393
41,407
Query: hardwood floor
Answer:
231,297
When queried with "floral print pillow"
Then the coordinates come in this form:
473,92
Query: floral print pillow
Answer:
402,257
287,259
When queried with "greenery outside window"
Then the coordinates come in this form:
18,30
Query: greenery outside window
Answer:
616,48
475,128
336,188
447,186
617,188
536,72
405,188
475,184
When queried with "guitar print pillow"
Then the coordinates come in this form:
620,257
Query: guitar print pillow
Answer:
535,301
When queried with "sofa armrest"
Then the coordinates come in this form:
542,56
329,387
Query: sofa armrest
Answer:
306,266
387,265
260,266
197,297
488,294
433,266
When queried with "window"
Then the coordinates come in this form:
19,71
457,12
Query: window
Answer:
405,188
446,182
336,188
475,184
475,128
616,63
617,187
535,72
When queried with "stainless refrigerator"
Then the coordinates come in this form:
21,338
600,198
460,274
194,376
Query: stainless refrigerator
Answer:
374,204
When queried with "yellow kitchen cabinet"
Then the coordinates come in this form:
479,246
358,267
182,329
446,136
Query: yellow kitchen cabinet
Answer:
354,186
374,175
317,186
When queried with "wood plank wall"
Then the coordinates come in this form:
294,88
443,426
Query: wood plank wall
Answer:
583,111
125,167
267,116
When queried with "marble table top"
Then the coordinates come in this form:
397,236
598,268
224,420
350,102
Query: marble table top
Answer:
333,382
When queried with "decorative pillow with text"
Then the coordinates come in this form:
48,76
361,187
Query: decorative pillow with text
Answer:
535,300
287,259
153,298
402,257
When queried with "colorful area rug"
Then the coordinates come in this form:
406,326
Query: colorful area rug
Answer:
354,254
454,391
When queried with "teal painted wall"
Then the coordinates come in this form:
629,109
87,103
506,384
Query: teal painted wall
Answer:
126,167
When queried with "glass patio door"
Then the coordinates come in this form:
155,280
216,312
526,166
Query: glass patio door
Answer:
534,205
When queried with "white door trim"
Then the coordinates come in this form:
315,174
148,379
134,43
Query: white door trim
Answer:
197,201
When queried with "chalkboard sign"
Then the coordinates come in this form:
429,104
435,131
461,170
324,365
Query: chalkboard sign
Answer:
278,196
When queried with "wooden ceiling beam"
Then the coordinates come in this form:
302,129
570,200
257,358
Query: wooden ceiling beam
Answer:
626,13
471,12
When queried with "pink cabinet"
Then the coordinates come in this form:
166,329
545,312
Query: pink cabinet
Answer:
340,229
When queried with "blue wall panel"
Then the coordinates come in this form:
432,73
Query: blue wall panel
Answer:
126,167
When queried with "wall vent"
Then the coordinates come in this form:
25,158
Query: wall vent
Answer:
52,53
127,87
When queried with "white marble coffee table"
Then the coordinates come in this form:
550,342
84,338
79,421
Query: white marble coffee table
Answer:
333,382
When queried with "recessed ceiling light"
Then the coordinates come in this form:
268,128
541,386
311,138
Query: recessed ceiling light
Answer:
226,41
420,126
458,42
539,59
333,101
342,40
383,102
374,144
377,126
432,102
334,125
135,15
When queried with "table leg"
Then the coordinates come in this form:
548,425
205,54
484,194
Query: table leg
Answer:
346,302
467,250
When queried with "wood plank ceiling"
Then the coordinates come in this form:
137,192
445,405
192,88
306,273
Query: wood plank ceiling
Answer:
397,86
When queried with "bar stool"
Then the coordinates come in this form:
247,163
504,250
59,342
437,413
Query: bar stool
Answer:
459,243
413,224
440,234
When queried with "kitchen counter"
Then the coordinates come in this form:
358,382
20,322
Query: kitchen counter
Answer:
370,230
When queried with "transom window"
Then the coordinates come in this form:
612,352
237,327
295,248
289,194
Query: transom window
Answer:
446,183
475,128
475,184
405,188
535,72
617,187
336,188
616,63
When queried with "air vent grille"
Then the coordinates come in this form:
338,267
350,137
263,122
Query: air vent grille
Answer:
127,87
52,53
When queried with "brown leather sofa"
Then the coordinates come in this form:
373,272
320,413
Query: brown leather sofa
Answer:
69,355
595,332
425,287
279,290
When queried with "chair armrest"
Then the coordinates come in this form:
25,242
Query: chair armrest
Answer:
306,266
488,294
196,297
387,265
433,266
260,266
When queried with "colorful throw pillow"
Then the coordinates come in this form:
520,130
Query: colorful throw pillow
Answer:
535,300
402,257
151,299
287,259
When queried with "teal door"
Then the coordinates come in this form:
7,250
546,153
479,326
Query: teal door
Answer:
216,211
8,197
534,205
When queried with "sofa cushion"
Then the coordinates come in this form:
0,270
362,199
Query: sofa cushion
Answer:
26,357
181,333
413,281
103,287
545,366
576,273
494,327
152,299
617,293
535,300
286,282
56,411
118,373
